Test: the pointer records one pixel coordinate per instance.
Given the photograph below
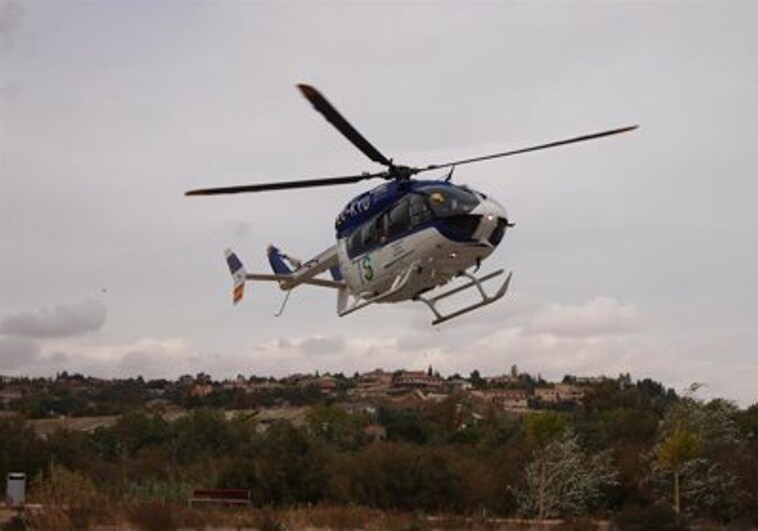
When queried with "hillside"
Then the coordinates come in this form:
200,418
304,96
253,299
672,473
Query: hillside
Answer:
507,446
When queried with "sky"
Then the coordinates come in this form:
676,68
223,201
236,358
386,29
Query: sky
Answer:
630,253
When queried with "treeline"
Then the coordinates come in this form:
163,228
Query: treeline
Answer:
633,453
52,398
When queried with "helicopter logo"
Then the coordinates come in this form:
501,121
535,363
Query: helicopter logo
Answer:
400,241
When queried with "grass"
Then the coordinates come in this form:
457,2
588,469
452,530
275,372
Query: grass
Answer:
163,516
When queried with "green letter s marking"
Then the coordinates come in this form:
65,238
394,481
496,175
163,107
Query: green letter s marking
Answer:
368,271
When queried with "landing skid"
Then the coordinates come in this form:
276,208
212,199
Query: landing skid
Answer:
474,282
344,308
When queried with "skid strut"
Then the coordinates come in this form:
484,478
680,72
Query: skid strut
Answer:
474,282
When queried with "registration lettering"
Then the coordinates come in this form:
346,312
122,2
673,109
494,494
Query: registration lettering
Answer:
357,206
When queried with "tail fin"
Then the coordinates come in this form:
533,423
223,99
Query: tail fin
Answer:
238,275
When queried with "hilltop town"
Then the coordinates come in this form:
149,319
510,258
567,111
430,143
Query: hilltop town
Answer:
68,399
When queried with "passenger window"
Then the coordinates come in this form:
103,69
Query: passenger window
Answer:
399,219
382,228
355,243
369,235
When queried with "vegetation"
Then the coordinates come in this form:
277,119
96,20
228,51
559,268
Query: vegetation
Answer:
631,452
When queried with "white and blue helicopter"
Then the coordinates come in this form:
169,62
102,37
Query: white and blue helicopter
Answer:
399,241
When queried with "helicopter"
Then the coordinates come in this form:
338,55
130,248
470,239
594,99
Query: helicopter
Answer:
403,240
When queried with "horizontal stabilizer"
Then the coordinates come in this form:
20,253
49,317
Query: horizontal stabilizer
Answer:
336,273
278,261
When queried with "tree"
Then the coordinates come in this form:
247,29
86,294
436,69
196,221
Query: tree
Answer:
697,450
283,466
337,426
404,425
561,480
20,449
541,429
203,433
476,379
405,476
673,452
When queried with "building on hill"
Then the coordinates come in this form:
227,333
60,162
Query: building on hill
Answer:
374,384
546,395
560,393
503,379
9,395
265,386
569,393
586,380
458,385
417,380
327,384
414,400
240,382
375,377
201,389
513,400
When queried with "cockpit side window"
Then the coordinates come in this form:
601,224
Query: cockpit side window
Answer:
418,209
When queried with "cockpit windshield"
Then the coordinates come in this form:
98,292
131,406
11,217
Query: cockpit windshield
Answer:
450,201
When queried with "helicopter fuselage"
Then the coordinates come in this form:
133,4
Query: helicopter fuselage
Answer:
424,231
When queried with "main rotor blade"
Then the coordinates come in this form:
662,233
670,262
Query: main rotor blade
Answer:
286,185
532,148
321,104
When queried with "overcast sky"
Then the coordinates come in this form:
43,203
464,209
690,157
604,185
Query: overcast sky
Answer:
633,253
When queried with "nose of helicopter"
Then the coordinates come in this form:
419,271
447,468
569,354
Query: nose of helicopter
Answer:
494,220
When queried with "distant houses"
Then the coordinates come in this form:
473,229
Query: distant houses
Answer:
513,400
513,393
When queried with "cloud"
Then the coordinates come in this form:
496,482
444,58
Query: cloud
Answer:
11,17
417,341
155,358
56,358
149,357
598,317
322,345
17,352
591,337
62,321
